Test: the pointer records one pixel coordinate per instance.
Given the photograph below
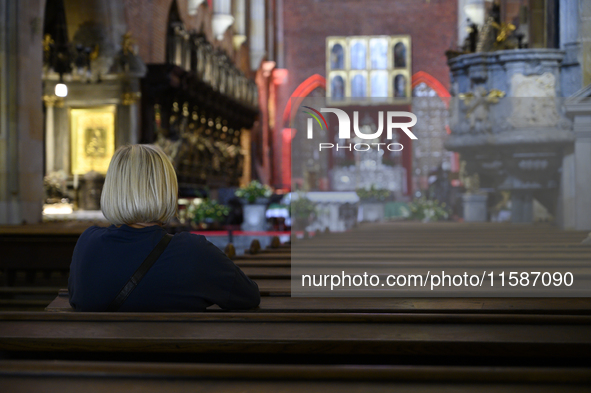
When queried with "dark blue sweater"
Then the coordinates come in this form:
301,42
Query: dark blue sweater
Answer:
190,275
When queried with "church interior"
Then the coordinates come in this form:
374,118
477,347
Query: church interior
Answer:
252,101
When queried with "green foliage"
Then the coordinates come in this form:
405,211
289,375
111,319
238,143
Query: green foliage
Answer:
302,207
277,206
254,190
207,211
428,210
373,194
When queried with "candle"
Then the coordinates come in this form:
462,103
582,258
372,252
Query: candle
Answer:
75,181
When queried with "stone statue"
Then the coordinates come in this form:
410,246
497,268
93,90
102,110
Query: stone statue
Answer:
127,44
505,39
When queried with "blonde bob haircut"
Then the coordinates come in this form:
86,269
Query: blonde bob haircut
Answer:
140,186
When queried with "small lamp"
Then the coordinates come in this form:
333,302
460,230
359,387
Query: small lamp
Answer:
61,90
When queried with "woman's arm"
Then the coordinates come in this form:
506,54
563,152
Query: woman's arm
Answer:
238,291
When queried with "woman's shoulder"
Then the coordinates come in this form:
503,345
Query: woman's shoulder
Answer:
90,235
191,243
92,231
189,239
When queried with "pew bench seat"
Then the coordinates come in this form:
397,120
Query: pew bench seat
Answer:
70,376
342,334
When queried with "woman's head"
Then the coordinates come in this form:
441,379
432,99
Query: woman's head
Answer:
140,186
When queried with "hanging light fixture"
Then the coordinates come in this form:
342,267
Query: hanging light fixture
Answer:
57,47
61,90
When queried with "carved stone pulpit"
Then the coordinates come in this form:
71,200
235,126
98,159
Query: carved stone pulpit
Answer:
507,123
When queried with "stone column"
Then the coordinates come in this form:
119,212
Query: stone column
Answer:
566,213
127,128
582,129
578,174
21,128
51,103
571,72
49,138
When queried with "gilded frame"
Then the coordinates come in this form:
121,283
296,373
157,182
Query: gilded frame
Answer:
92,132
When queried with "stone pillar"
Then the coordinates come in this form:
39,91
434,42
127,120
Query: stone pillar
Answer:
21,128
127,129
566,212
578,175
585,34
52,105
571,72
582,128
257,33
49,138
63,153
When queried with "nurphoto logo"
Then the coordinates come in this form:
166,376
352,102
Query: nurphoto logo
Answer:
392,123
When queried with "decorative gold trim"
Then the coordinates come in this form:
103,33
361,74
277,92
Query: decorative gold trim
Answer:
47,42
238,40
127,44
52,100
130,98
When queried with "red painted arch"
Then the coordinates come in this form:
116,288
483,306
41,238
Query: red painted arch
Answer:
305,88
432,82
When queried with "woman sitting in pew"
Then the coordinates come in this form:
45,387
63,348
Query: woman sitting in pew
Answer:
184,272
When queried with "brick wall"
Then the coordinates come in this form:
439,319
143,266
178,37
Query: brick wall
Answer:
148,21
432,26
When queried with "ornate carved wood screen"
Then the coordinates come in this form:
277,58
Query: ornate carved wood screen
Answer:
197,126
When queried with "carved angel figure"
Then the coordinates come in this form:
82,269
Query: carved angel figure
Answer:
478,104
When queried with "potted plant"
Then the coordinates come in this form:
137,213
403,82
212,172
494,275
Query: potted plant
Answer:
254,193
428,210
254,197
372,203
207,214
302,211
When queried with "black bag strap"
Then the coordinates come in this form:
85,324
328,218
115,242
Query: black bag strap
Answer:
139,273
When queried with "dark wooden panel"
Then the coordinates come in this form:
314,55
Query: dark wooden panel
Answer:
565,306
246,372
348,334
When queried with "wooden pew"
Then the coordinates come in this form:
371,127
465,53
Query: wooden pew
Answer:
271,269
376,331
69,376
283,335
404,238
272,302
